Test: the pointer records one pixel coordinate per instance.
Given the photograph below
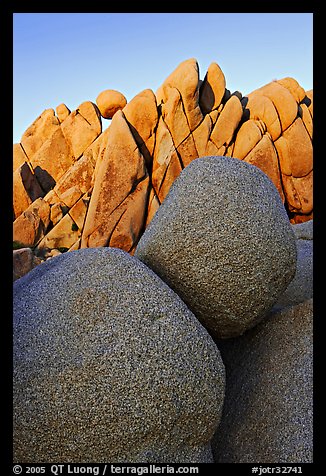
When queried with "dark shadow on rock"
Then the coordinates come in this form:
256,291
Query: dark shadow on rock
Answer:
238,94
226,97
31,184
46,180
246,112
208,103
142,146
306,101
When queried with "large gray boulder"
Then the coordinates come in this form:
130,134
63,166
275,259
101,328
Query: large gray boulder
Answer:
223,241
268,408
110,365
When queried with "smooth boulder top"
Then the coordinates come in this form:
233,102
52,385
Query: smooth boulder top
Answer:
222,240
109,102
110,365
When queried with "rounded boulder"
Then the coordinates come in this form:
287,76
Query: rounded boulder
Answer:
110,365
109,102
222,240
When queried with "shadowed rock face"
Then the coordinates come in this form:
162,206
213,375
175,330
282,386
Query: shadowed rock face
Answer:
110,365
268,409
222,240
134,162
23,261
300,288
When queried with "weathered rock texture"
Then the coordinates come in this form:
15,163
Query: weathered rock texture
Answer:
129,167
222,240
110,365
268,409
23,261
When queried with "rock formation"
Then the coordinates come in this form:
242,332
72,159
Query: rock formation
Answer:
107,186
268,411
23,261
109,102
222,240
109,362
110,365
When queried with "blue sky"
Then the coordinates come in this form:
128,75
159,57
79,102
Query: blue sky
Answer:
72,57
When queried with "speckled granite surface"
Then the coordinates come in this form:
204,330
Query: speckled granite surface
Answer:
222,240
268,410
110,365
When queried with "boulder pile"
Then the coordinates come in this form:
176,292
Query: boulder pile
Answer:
178,328
189,351
78,186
